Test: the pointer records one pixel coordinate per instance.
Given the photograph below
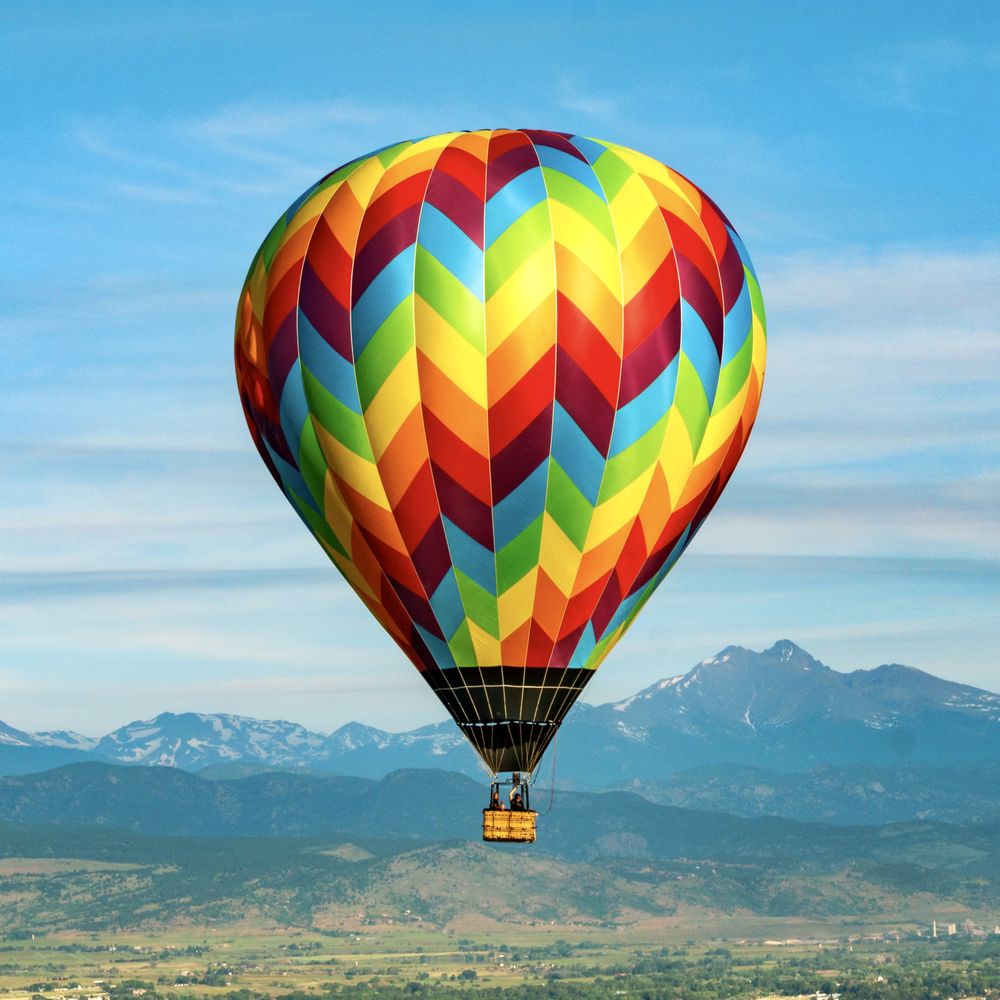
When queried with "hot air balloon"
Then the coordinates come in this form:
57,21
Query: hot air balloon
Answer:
503,377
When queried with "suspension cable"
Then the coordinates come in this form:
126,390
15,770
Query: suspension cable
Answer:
552,777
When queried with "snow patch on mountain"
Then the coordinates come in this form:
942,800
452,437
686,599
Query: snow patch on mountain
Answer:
66,739
11,737
640,734
882,721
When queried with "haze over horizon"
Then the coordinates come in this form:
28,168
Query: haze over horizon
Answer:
149,562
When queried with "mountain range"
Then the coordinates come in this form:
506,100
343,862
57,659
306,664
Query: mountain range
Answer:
434,806
130,847
755,733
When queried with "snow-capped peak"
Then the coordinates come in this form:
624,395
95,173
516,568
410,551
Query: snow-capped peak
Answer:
66,739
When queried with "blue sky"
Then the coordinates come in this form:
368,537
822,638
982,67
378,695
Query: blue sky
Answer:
147,562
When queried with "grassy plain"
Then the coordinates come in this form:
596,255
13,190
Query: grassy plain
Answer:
744,957
96,912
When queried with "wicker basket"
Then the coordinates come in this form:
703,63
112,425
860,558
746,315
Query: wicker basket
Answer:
509,825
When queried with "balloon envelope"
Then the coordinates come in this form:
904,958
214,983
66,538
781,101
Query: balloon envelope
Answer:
503,377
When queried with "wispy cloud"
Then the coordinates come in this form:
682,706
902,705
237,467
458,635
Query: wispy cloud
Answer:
297,644
831,517
580,99
922,74
108,140
257,122
255,148
161,194
879,430
190,625
886,353
66,304
71,508
888,289
135,644
30,585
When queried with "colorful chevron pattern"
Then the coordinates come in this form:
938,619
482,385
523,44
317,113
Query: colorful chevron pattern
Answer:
503,376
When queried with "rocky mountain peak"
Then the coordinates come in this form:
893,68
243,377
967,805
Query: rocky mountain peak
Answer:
777,708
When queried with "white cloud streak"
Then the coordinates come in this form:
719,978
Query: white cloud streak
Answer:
572,96
251,149
908,76
880,424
